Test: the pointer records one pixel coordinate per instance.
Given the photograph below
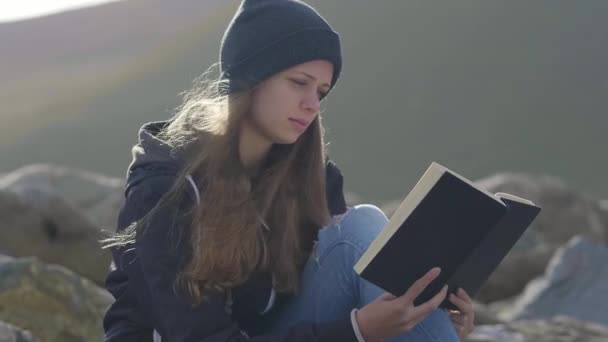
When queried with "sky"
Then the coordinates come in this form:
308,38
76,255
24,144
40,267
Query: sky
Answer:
26,9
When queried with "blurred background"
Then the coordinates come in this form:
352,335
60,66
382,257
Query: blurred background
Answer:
511,94
480,86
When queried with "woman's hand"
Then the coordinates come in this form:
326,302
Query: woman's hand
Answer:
389,316
463,319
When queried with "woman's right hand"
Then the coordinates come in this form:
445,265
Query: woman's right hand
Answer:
388,316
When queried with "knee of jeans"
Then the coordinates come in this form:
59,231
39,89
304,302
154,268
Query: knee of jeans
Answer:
363,222
438,327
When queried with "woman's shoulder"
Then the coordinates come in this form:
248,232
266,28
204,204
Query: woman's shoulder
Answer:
163,220
149,184
149,203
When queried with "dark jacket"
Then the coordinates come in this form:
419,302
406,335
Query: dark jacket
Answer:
143,276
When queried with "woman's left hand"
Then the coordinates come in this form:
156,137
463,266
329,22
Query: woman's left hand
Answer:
463,319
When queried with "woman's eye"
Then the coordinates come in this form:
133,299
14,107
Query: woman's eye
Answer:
303,83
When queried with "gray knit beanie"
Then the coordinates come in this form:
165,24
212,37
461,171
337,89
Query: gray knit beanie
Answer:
267,36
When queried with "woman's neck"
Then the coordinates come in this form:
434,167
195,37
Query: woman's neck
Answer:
253,148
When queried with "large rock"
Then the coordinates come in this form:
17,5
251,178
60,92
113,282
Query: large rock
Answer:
50,301
575,284
390,207
557,329
64,237
485,314
352,198
57,215
603,206
96,196
565,213
11,333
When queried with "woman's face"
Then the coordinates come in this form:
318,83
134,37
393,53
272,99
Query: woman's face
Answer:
284,105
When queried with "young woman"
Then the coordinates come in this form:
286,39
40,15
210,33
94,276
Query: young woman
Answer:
234,225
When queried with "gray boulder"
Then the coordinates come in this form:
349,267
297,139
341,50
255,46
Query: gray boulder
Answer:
50,301
352,198
575,284
603,206
10,333
94,195
60,236
565,213
485,314
58,214
557,329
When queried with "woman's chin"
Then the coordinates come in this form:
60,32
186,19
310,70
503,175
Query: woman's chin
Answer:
286,139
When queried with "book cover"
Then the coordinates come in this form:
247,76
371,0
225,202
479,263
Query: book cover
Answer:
480,264
445,221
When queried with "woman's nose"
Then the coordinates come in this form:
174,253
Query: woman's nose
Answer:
312,103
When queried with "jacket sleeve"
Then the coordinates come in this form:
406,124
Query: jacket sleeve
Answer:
334,188
122,321
172,314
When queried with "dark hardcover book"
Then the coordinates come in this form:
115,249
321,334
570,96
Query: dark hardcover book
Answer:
445,221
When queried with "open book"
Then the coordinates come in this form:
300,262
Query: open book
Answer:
450,222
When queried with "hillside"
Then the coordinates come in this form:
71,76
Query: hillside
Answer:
478,86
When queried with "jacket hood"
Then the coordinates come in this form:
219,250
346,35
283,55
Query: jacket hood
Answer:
150,148
152,156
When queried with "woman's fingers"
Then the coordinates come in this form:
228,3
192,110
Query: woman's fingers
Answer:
458,319
416,289
420,312
387,296
463,319
462,293
461,330
464,306
462,325
423,310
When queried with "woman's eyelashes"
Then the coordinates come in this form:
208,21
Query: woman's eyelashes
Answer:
298,82
305,83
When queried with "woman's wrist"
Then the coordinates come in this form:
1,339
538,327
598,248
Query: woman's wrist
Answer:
355,323
360,327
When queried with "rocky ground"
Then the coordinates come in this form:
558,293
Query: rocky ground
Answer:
551,287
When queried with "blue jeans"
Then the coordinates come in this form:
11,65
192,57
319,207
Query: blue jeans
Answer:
331,288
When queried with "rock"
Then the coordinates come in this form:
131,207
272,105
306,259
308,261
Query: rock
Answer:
390,207
514,273
59,235
10,333
485,315
352,198
494,333
565,213
50,301
96,196
603,205
574,284
557,329
57,214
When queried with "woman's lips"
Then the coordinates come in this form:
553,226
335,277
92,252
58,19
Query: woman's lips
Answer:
299,123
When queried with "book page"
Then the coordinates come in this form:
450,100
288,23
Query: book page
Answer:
513,198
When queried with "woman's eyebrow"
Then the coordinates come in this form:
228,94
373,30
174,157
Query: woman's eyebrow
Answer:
312,77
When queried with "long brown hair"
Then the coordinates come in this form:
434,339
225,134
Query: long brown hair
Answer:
243,224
